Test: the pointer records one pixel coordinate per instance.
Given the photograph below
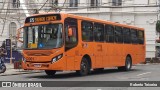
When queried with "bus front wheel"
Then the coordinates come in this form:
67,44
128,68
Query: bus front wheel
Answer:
50,72
128,65
84,67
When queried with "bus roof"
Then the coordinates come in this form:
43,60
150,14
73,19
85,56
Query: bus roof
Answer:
90,19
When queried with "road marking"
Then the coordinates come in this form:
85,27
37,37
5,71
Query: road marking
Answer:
143,73
99,89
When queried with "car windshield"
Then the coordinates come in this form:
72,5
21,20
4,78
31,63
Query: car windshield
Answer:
43,36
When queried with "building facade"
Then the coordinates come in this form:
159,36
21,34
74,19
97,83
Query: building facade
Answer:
141,13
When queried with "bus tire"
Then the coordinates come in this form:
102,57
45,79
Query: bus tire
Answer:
128,65
50,72
84,67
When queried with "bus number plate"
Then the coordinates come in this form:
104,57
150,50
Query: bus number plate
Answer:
37,65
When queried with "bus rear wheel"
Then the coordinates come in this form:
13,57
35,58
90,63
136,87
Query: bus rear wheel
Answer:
84,68
50,72
128,65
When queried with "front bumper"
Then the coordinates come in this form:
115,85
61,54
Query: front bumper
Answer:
59,65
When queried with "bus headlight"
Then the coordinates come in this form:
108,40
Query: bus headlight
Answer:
56,58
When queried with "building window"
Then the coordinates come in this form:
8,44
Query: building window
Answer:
73,3
116,2
94,3
16,3
54,2
1,2
12,29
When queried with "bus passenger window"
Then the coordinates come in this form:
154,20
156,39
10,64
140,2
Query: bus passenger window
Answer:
141,37
109,33
87,31
134,36
118,34
126,35
99,32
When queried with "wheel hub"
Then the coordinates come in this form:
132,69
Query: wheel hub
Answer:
128,64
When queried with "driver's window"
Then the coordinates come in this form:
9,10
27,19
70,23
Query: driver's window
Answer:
71,41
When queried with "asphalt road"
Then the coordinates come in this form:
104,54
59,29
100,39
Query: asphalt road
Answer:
142,72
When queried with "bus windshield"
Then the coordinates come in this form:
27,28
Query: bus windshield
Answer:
43,36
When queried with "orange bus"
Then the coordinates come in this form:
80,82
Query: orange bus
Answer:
59,41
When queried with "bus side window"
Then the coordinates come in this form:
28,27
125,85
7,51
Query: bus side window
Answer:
141,37
109,33
118,34
98,32
126,35
134,37
87,31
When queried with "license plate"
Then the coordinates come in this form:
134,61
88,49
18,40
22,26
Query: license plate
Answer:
37,65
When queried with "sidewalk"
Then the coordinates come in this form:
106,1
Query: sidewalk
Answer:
11,71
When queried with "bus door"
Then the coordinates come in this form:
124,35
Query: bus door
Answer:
99,41
71,41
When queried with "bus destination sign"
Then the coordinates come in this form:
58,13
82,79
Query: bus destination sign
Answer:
43,18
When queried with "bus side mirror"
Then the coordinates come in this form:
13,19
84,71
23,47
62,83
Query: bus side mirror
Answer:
19,35
70,32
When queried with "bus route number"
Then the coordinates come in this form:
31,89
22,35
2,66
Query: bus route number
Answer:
31,20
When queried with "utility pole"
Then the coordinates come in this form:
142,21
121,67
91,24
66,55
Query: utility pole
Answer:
158,7
158,2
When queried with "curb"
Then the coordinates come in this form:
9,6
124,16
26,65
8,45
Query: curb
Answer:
20,73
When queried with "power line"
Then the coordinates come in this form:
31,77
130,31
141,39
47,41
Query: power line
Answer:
43,5
57,7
